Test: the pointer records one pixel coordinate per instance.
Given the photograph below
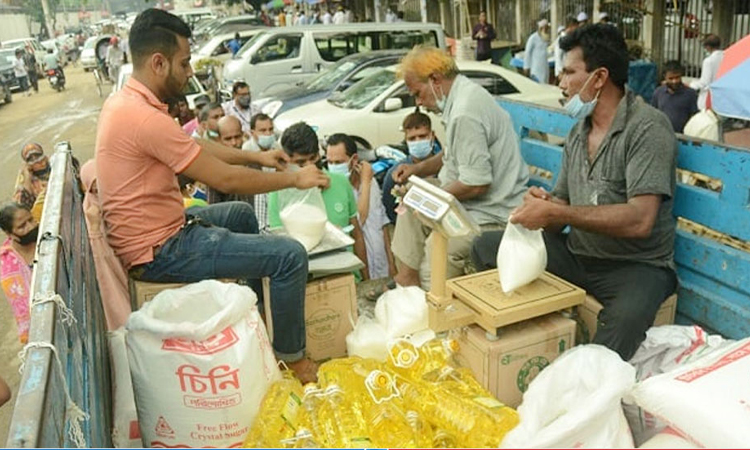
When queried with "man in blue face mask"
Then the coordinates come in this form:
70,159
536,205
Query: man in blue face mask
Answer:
615,190
421,145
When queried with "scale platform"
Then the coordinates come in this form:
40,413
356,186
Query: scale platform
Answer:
482,293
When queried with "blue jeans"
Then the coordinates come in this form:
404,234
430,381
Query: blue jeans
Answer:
223,243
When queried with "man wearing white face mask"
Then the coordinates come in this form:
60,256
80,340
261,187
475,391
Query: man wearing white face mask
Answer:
341,153
262,138
615,190
481,162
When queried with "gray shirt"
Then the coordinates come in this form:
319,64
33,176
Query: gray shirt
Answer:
636,157
482,149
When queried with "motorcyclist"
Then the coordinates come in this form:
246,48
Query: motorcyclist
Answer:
50,62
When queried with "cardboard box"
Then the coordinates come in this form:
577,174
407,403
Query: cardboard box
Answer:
506,365
482,293
143,291
330,309
589,311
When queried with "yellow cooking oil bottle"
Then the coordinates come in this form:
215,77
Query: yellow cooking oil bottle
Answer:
278,413
341,418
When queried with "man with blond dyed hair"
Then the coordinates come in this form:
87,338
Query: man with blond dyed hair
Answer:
482,165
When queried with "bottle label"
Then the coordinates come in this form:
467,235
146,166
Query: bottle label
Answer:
488,402
289,413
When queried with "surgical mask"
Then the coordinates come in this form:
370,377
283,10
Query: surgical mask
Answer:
266,141
439,104
30,237
341,169
579,109
244,101
212,134
420,149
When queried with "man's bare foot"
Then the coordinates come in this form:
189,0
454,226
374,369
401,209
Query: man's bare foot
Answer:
407,277
305,369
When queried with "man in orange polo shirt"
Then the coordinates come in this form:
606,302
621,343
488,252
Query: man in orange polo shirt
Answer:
140,149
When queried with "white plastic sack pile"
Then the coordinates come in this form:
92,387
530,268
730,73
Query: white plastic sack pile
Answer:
707,400
398,312
125,431
665,348
521,257
575,403
201,363
668,438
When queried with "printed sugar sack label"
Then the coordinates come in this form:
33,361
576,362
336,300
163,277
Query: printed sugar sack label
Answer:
707,401
201,363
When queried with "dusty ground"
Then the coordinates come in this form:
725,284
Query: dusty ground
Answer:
46,118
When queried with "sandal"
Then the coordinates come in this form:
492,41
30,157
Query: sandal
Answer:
374,293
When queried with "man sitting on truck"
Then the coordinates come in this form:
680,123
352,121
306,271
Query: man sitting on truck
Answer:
615,190
140,149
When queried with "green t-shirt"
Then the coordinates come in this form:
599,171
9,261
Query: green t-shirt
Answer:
341,206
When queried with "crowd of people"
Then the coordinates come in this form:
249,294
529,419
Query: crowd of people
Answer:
188,195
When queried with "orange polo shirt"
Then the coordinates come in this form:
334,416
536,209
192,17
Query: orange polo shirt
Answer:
139,150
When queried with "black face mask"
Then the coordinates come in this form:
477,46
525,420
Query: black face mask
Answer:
30,237
42,173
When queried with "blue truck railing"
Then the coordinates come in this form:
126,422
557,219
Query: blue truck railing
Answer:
714,289
714,276
64,357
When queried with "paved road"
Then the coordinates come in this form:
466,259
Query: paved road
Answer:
46,118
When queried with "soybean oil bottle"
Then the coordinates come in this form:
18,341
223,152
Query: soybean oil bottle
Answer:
278,413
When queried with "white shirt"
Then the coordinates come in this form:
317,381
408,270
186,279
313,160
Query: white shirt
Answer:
708,74
231,109
326,18
114,55
339,18
390,17
19,67
535,58
559,54
372,231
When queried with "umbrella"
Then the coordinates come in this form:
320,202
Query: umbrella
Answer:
730,93
275,4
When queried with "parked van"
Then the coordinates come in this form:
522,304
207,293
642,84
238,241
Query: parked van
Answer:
282,57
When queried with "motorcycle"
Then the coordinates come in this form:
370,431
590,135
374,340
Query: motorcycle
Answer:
56,79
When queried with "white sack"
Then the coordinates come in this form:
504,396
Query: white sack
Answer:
668,438
707,399
665,348
521,257
402,311
575,403
125,431
201,363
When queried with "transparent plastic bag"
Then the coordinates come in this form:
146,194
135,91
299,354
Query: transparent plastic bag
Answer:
521,257
303,214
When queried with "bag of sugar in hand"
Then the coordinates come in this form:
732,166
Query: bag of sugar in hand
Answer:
303,214
521,257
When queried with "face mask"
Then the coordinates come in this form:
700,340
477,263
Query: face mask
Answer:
42,173
579,109
212,134
341,169
420,149
266,141
439,104
30,237
244,101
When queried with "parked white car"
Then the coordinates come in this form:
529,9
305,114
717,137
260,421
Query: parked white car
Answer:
88,54
373,109
192,90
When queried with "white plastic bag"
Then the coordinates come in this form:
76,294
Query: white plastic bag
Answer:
125,431
665,348
521,257
707,399
303,214
201,363
575,403
402,311
367,340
